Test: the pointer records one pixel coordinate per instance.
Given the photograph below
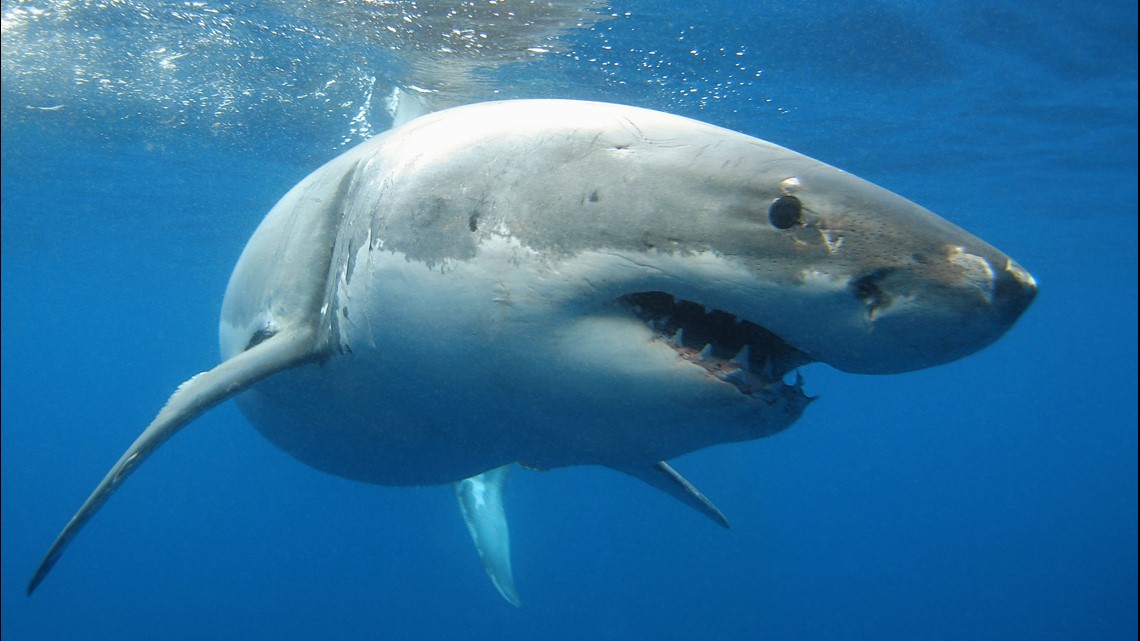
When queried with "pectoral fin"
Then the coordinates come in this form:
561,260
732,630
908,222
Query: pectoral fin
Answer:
194,397
481,503
663,477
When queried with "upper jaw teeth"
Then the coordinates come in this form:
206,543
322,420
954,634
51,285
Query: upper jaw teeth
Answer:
706,337
741,358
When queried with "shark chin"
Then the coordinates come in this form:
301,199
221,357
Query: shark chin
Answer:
556,283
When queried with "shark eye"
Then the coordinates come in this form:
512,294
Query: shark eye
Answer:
785,212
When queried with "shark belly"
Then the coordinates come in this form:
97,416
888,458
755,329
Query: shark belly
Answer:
404,427
483,373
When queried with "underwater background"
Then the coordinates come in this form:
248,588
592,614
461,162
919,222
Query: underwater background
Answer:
991,498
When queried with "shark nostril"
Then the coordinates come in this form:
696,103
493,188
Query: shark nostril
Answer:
869,291
865,289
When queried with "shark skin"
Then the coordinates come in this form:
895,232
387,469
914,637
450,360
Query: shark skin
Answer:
554,283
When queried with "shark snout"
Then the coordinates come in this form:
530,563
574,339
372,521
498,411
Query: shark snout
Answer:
978,303
918,315
1004,286
1014,289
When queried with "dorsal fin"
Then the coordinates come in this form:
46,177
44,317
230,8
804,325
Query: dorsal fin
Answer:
279,352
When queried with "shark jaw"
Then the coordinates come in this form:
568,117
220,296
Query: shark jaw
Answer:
731,349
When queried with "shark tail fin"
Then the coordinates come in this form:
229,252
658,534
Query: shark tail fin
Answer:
663,477
481,503
282,351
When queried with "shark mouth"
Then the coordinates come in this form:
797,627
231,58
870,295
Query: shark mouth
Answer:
729,348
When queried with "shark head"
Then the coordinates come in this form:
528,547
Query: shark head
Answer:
869,282
837,269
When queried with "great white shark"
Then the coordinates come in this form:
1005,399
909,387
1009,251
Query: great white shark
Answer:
554,283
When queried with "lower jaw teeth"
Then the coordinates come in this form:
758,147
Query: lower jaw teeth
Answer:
734,370
761,358
705,354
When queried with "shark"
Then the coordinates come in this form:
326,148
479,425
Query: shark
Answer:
557,283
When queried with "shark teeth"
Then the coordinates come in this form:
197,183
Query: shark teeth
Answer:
741,358
705,354
738,377
766,370
678,339
737,371
706,336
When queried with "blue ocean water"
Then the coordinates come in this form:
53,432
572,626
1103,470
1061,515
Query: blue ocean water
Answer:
992,498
